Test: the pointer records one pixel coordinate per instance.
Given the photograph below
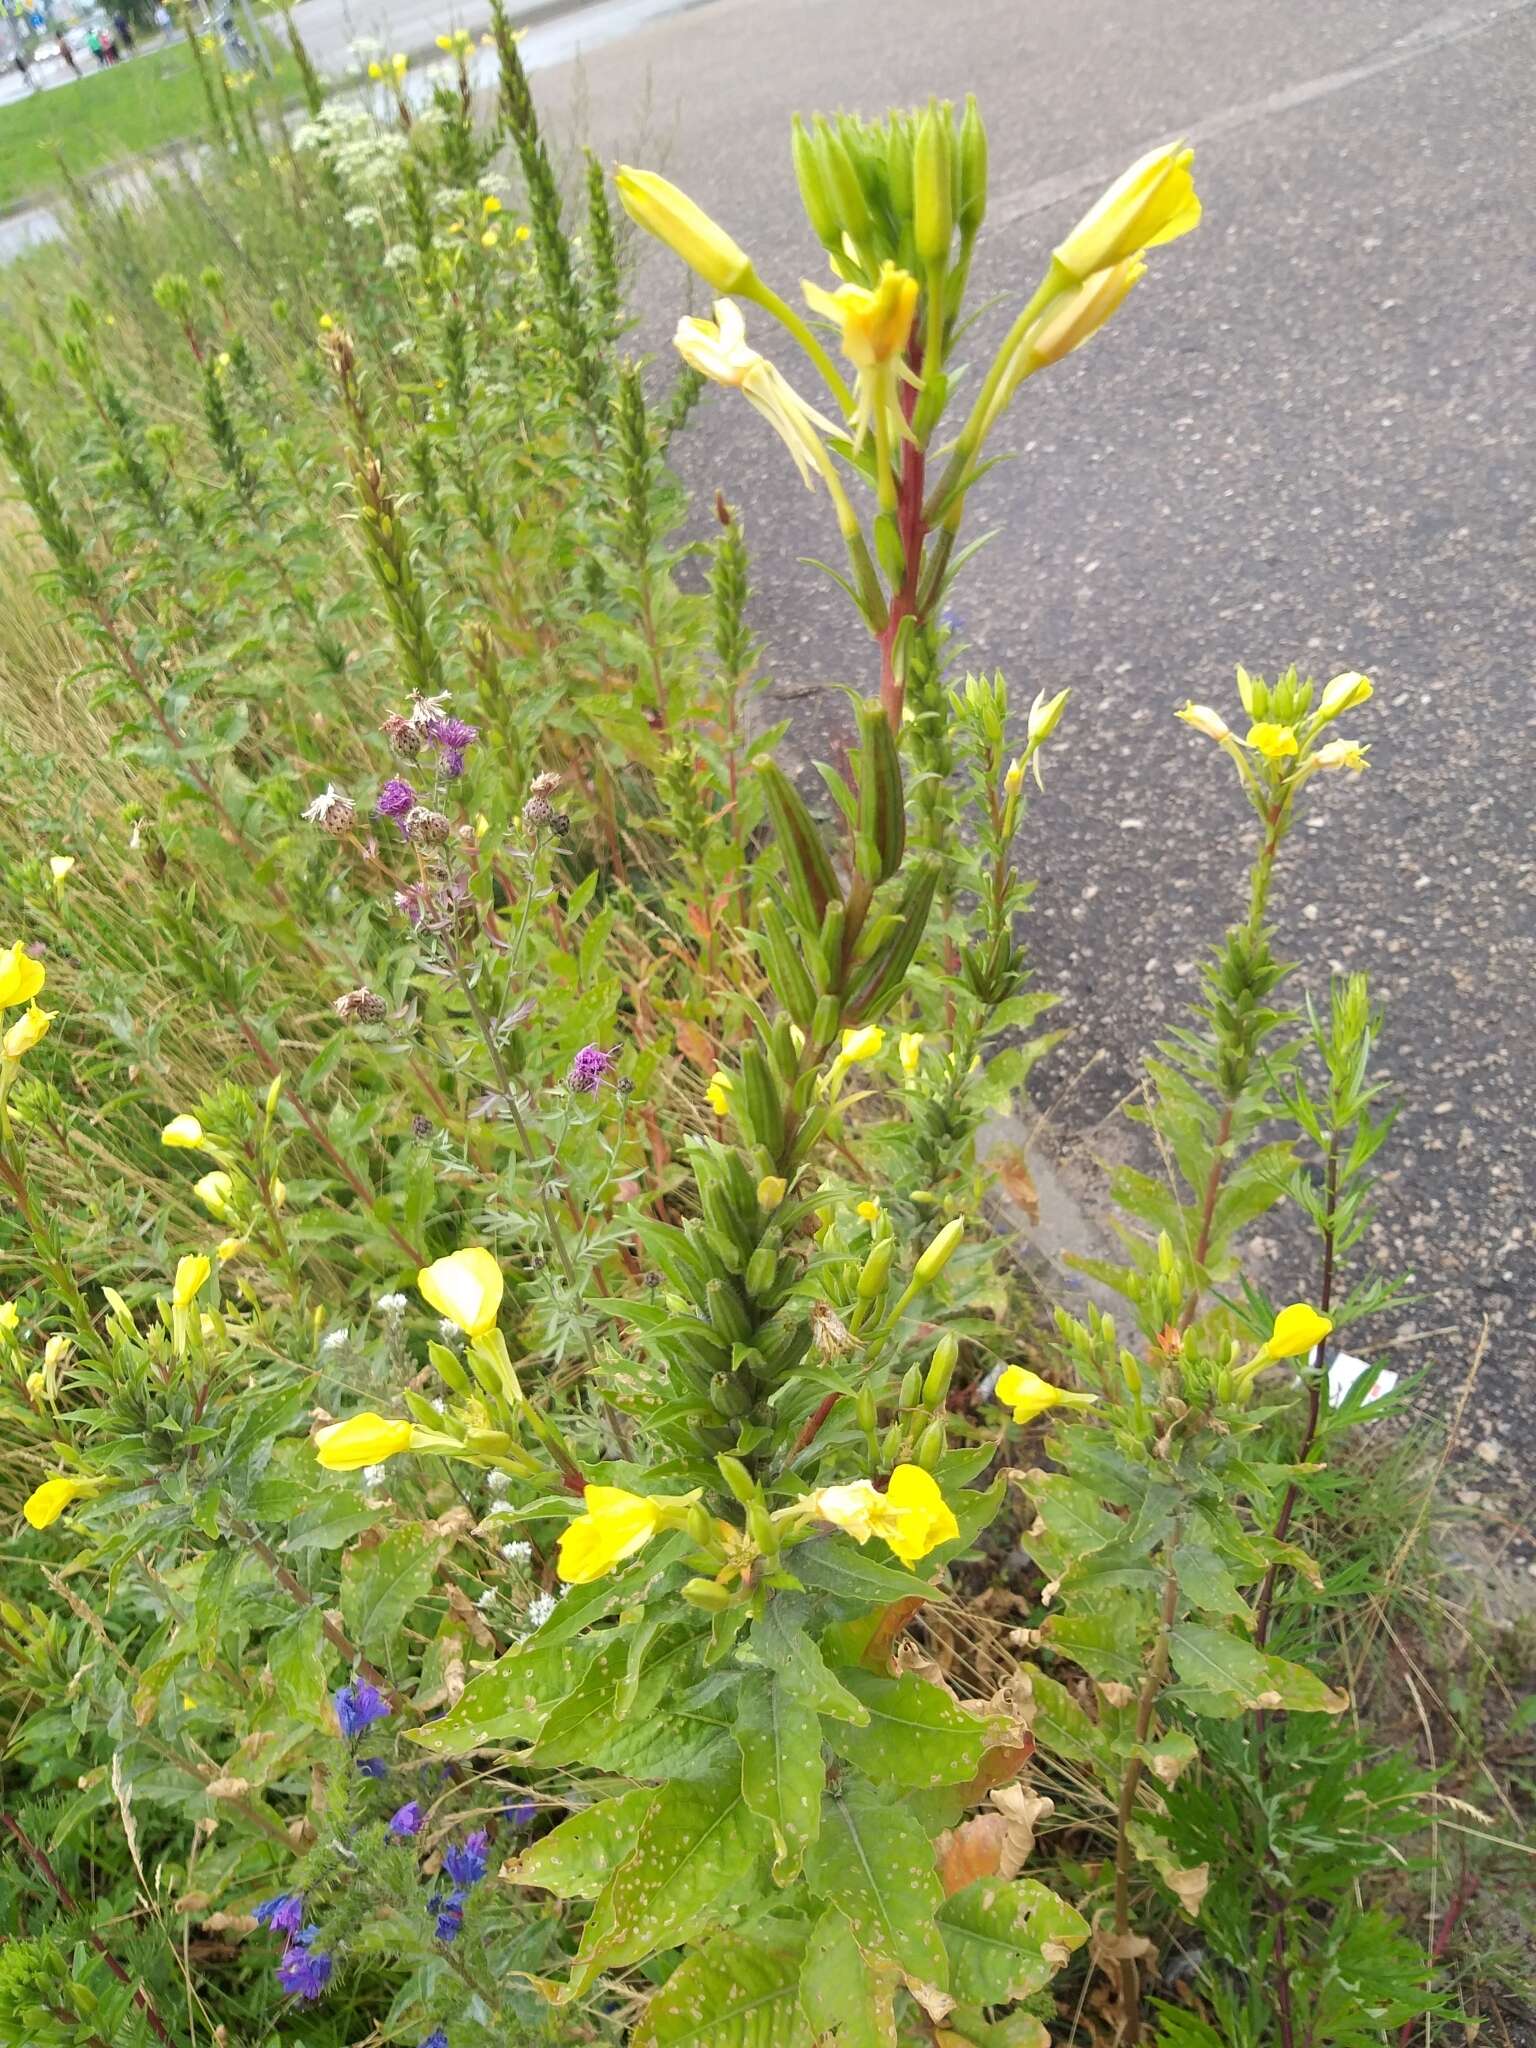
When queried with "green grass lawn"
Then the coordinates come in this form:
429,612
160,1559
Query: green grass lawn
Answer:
106,117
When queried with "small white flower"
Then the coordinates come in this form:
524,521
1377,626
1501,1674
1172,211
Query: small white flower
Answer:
500,1507
540,1608
487,1599
451,1334
373,1477
497,1482
334,1340
436,1404
391,1305
517,1553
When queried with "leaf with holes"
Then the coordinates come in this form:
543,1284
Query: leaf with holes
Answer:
874,1862
380,1585
697,1854
510,1702
849,2001
780,1642
782,1775
1007,1939
576,1859
916,1734
734,1993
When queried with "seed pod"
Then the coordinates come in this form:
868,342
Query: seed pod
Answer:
911,1388
706,1594
736,1476
882,814
361,1006
426,827
932,198
973,168
930,1445
876,1269
762,1271
807,864
882,976
940,1370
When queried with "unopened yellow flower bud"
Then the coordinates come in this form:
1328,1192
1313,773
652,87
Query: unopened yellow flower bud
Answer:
1028,1395
909,1050
939,1253
229,1248
58,1351
1205,720
214,1191
1297,1329
183,1132
864,1043
1079,313
718,1093
771,1190
1343,694
191,1272
1013,781
60,865
1341,754
672,217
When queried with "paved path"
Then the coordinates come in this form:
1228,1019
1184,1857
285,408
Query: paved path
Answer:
1310,438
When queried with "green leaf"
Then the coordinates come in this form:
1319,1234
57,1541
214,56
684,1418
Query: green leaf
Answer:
849,2002
508,1703
780,1642
834,1564
298,1655
916,1734
1007,1939
1221,1674
340,1514
1205,1582
875,1864
734,1993
381,1585
782,1774
1062,1727
1107,1645
577,1858
697,1853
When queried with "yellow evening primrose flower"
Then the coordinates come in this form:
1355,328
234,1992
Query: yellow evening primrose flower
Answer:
399,63
60,865
29,1029
10,1316
375,69
909,1050
21,977
873,321
1298,1329
1151,203
771,1190
1013,780
365,1439
672,217
58,1351
1341,754
183,1132
718,1093
1078,314
325,323
615,1525
229,1248
869,1210
490,204
45,1503
466,1288
1028,1395
191,1272
1274,742
864,1043
911,1516
214,1191
522,233
718,349
489,238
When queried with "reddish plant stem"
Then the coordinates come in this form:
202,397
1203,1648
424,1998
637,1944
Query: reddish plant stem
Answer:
914,533
60,1890
336,1637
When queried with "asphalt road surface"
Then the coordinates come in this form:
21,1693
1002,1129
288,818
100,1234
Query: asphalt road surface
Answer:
1309,438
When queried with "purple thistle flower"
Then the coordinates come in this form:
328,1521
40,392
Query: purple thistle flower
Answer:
453,763
522,1815
284,1913
466,1861
406,1820
438,2038
304,1972
358,1705
395,798
451,734
589,1070
373,1767
449,1908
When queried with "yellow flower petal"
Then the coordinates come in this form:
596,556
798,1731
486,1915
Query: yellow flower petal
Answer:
214,1191
1298,1329
466,1288
21,977
1274,742
47,1502
183,1132
30,1029
191,1272
914,1516
615,1525
672,217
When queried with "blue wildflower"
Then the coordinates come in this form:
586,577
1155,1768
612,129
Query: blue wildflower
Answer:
465,1862
373,1767
521,1815
449,1908
358,1705
438,2038
284,1913
407,1819
304,1971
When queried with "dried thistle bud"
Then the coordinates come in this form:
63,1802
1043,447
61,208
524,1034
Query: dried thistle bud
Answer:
543,783
406,739
422,1126
560,823
424,827
538,811
829,1333
361,1006
332,812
